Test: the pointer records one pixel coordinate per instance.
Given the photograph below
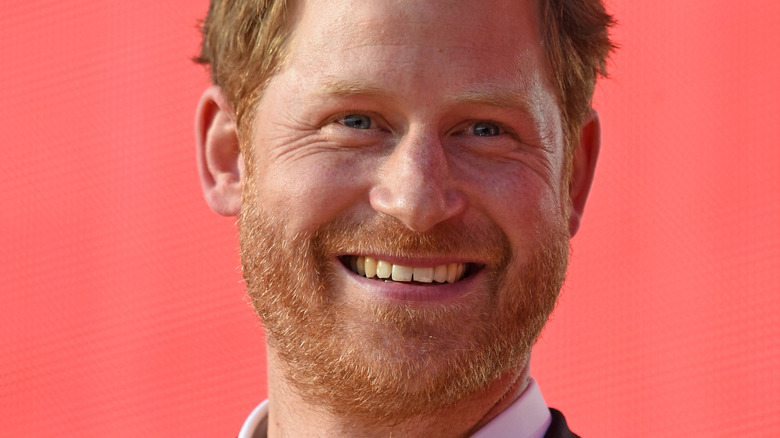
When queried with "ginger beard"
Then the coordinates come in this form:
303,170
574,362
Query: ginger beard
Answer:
386,362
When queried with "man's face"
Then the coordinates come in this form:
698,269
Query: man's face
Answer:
425,139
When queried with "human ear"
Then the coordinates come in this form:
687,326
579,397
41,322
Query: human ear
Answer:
583,168
219,156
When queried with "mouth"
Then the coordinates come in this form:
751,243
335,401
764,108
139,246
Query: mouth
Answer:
382,270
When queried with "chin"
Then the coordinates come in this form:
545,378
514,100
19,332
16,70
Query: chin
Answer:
388,358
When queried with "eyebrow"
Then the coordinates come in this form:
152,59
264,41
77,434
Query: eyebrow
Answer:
347,88
489,94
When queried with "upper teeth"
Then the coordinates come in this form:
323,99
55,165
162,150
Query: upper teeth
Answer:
371,267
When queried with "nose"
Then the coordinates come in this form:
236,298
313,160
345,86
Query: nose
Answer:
416,184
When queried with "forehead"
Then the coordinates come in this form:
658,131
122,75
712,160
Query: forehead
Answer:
416,41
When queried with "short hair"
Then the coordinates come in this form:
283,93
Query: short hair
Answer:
244,45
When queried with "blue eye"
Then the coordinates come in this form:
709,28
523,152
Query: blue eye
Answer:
485,129
356,121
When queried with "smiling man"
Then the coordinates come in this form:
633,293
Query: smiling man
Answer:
407,176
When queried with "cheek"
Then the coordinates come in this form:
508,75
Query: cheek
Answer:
311,191
526,206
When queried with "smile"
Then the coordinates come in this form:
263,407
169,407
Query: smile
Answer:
370,267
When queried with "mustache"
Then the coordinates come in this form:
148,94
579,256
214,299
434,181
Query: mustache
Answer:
382,234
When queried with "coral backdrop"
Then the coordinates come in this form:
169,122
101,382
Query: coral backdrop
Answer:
122,313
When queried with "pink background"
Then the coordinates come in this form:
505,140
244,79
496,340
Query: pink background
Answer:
122,313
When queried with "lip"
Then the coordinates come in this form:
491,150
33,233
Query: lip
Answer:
411,293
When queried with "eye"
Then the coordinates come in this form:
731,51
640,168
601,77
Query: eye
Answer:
356,121
485,129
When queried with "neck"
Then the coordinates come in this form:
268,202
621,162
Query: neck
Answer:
291,415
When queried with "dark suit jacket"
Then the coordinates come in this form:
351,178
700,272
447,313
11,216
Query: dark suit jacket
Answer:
558,427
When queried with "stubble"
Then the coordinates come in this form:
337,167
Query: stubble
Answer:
390,362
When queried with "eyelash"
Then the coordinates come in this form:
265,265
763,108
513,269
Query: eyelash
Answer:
377,123
468,129
376,120
344,118
472,128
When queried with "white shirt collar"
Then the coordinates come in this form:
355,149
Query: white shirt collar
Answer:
256,425
527,417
